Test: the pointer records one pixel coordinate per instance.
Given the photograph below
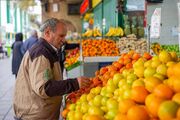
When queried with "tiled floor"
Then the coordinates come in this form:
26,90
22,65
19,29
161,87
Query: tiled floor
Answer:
7,81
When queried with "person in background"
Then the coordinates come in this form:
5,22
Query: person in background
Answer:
30,41
17,54
39,84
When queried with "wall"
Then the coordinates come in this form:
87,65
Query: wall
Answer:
169,19
62,14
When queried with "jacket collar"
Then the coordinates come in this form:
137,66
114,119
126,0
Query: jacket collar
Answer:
48,46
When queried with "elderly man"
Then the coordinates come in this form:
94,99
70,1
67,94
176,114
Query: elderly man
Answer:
39,85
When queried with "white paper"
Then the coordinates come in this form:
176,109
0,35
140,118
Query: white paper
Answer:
155,24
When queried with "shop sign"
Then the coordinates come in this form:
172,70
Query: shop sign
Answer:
155,24
86,5
95,3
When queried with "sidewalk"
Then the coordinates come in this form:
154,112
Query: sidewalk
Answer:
7,81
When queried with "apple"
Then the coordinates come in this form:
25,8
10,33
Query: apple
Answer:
112,104
97,100
116,78
93,110
104,101
167,110
149,71
162,69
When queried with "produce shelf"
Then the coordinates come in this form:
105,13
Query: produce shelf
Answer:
100,59
78,63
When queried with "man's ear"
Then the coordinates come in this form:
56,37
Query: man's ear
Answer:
47,32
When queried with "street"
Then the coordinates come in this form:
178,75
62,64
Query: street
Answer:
7,81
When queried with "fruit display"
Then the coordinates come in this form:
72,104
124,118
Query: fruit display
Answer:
103,47
72,57
92,33
115,32
132,43
157,48
148,90
74,41
134,24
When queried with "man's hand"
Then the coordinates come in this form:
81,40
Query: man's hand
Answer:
83,82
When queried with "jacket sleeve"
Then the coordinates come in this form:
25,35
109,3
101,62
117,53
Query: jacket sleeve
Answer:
40,73
42,80
56,88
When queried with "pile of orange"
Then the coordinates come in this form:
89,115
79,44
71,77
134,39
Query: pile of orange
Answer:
156,99
104,47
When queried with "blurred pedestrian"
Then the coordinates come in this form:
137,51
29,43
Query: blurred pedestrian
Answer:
17,53
39,84
30,41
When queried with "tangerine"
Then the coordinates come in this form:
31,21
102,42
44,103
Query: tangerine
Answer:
139,93
137,112
163,91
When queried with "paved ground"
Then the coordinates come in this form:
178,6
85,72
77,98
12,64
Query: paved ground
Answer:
7,81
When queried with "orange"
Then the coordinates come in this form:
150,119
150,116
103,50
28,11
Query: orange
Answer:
176,69
139,93
165,56
137,112
176,98
127,56
103,70
147,55
125,105
170,71
163,91
122,69
121,61
120,116
178,113
152,103
112,73
117,64
97,73
112,68
133,61
129,65
151,82
64,113
94,117
127,60
167,110
136,56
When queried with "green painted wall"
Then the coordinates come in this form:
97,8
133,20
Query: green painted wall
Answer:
15,18
8,11
98,15
110,14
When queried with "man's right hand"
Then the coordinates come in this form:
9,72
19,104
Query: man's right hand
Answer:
83,82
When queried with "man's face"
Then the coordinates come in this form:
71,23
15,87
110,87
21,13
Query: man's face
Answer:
58,37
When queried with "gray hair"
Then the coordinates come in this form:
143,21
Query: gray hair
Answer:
52,22
33,33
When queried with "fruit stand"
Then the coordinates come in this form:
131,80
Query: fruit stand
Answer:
135,87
